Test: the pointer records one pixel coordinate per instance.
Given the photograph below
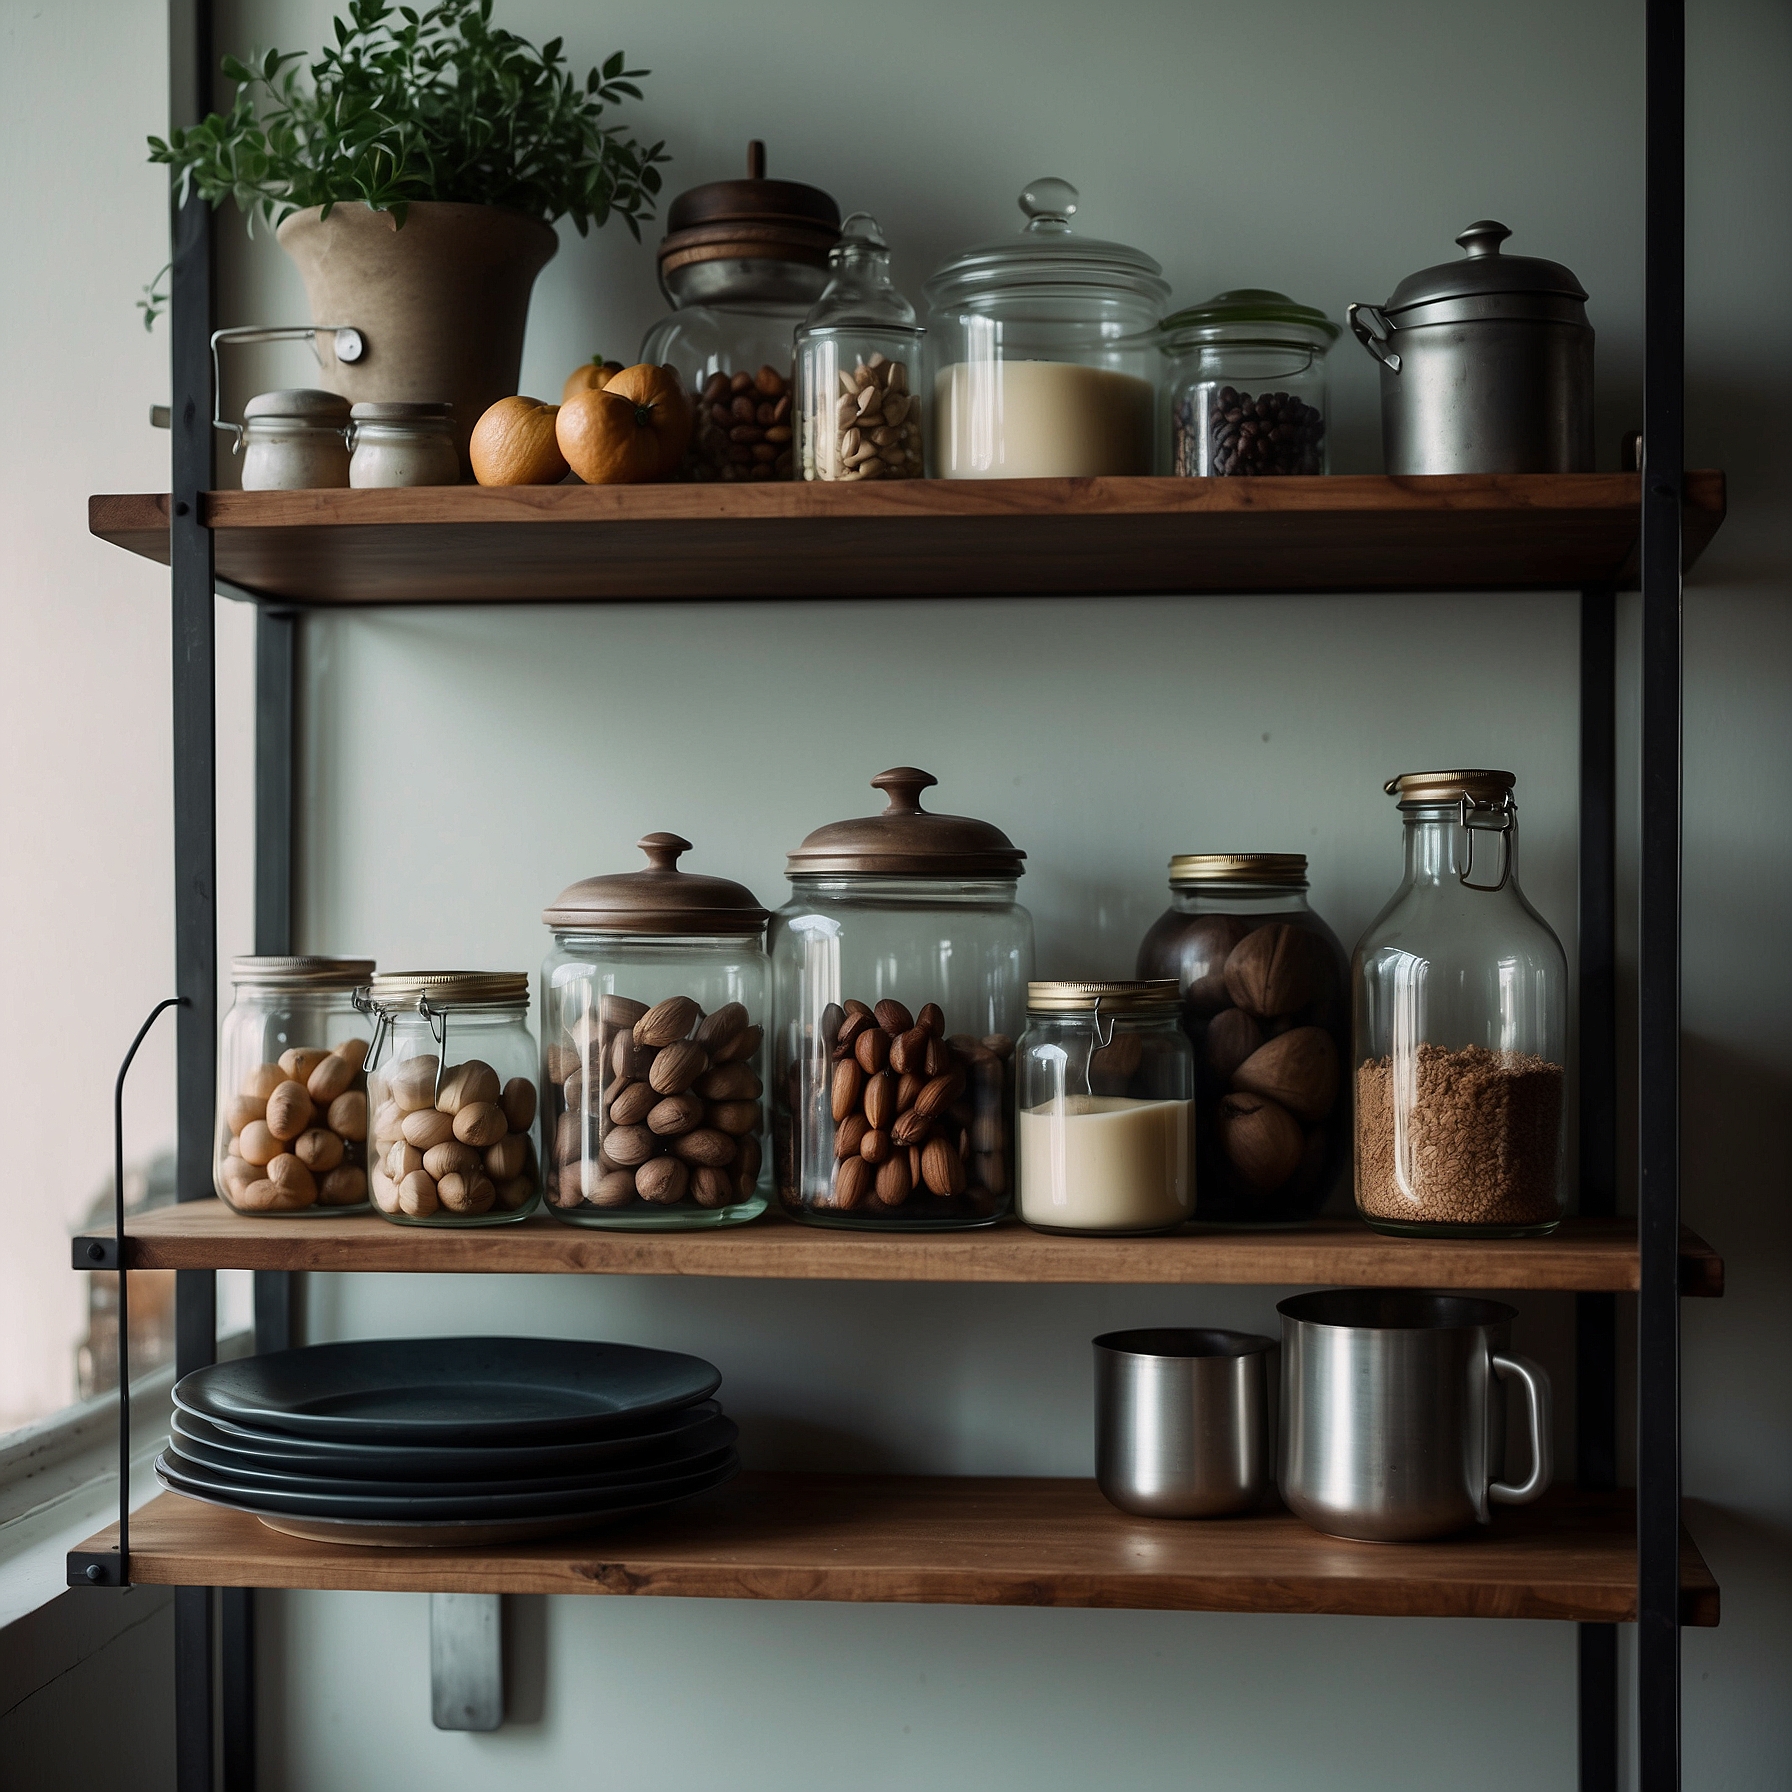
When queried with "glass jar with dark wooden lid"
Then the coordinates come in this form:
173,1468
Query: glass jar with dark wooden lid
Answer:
1265,1003
654,1005
741,264
900,968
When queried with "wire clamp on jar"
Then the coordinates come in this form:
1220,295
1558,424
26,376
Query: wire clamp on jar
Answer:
1497,818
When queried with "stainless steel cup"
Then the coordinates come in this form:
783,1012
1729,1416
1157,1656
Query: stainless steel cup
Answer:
1393,1421
1182,1421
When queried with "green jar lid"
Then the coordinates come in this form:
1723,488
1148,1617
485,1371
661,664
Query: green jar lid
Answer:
1252,313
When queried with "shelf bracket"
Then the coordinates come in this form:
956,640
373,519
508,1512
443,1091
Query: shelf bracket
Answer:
466,1661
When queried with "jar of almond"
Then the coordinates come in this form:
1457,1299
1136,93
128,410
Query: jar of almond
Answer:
292,1092
653,1004
451,1084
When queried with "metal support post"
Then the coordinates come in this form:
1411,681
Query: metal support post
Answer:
1596,1315
1658,940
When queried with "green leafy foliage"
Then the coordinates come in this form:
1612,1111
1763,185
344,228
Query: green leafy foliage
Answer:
408,105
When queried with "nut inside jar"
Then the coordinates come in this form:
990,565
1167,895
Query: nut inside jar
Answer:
455,1144
743,428
297,1132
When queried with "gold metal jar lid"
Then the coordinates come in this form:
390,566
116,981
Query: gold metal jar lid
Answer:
452,989
1154,995
256,971
1238,868
1428,790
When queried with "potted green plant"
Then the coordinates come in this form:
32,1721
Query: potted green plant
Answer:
415,178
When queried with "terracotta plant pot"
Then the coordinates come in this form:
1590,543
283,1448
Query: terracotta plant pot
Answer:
442,303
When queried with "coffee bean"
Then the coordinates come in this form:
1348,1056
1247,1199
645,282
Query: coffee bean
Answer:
1236,434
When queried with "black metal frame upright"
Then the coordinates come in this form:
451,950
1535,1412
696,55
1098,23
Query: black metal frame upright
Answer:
204,1744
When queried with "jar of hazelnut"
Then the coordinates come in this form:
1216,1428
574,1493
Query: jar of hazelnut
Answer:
900,967
741,263
451,1084
1265,1003
653,1004
292,1095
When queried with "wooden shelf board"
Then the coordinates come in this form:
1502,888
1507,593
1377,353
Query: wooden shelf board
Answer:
933,537
1582,1255
963,1541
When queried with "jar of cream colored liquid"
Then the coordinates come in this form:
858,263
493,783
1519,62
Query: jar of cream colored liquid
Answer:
403,444
1105,1086
1043,352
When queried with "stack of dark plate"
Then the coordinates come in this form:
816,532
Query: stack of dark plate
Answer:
449,1440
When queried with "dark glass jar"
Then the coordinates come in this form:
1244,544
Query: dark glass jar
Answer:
1266,1005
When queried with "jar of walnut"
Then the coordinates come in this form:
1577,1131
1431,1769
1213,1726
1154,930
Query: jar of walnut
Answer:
653,1005
901,964
451,1082
291,1133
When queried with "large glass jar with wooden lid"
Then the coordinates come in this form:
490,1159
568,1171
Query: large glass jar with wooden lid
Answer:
451,1080
900,968
741,263
1461,1032
654,1004
292,1092
1265,1001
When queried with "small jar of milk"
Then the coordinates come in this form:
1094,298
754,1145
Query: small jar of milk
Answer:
1105,1088
1042,353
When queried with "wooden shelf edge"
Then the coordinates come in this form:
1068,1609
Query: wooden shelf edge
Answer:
968,1541
1583,1256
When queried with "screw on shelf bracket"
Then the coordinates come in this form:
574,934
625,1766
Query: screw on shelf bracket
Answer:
466,1661
112,1568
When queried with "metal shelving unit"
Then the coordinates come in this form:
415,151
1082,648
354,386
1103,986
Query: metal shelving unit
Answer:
214,1627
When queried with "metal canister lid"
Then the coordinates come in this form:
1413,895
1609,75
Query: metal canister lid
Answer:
1153,995
1484,270
660,899
261,971
1206,868
906,840
1429,790
452,989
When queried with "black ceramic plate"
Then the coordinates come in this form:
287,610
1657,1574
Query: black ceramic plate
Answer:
489,1508
674,1436
563,1489
449,1390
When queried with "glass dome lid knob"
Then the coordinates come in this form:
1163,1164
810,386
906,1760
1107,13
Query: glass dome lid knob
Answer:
1049,204
861,231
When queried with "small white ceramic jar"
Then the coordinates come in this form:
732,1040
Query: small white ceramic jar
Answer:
403,444
295,440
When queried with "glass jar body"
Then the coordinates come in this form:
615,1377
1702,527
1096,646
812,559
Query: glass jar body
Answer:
1237,408
858,404
1272,1120
964,946
453,1094
399,454
1033,382
291,1135
736,360
1105,1123
685,1118
1460,1032
284,454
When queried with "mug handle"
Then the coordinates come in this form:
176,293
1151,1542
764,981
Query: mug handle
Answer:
1534,1379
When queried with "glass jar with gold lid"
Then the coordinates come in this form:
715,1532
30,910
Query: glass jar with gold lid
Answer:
451,1080
1265,1003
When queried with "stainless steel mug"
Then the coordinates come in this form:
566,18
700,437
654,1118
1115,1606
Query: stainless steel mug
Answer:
1182,1421
1393,1425
1486,364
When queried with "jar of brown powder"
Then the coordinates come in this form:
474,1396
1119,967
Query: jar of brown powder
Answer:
1460,1026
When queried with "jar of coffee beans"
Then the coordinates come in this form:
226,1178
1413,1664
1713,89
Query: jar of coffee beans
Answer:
857,366
1244,391
742,262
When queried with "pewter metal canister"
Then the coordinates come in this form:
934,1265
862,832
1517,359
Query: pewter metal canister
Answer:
1486,364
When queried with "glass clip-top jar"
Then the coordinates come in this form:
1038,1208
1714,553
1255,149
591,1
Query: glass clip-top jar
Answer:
1042,354
1266,1005
1245,386
291,1133
1105,1087
1460,1026
451,1079
858,368
900,967
654,1003
741,263
294,440
399,444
